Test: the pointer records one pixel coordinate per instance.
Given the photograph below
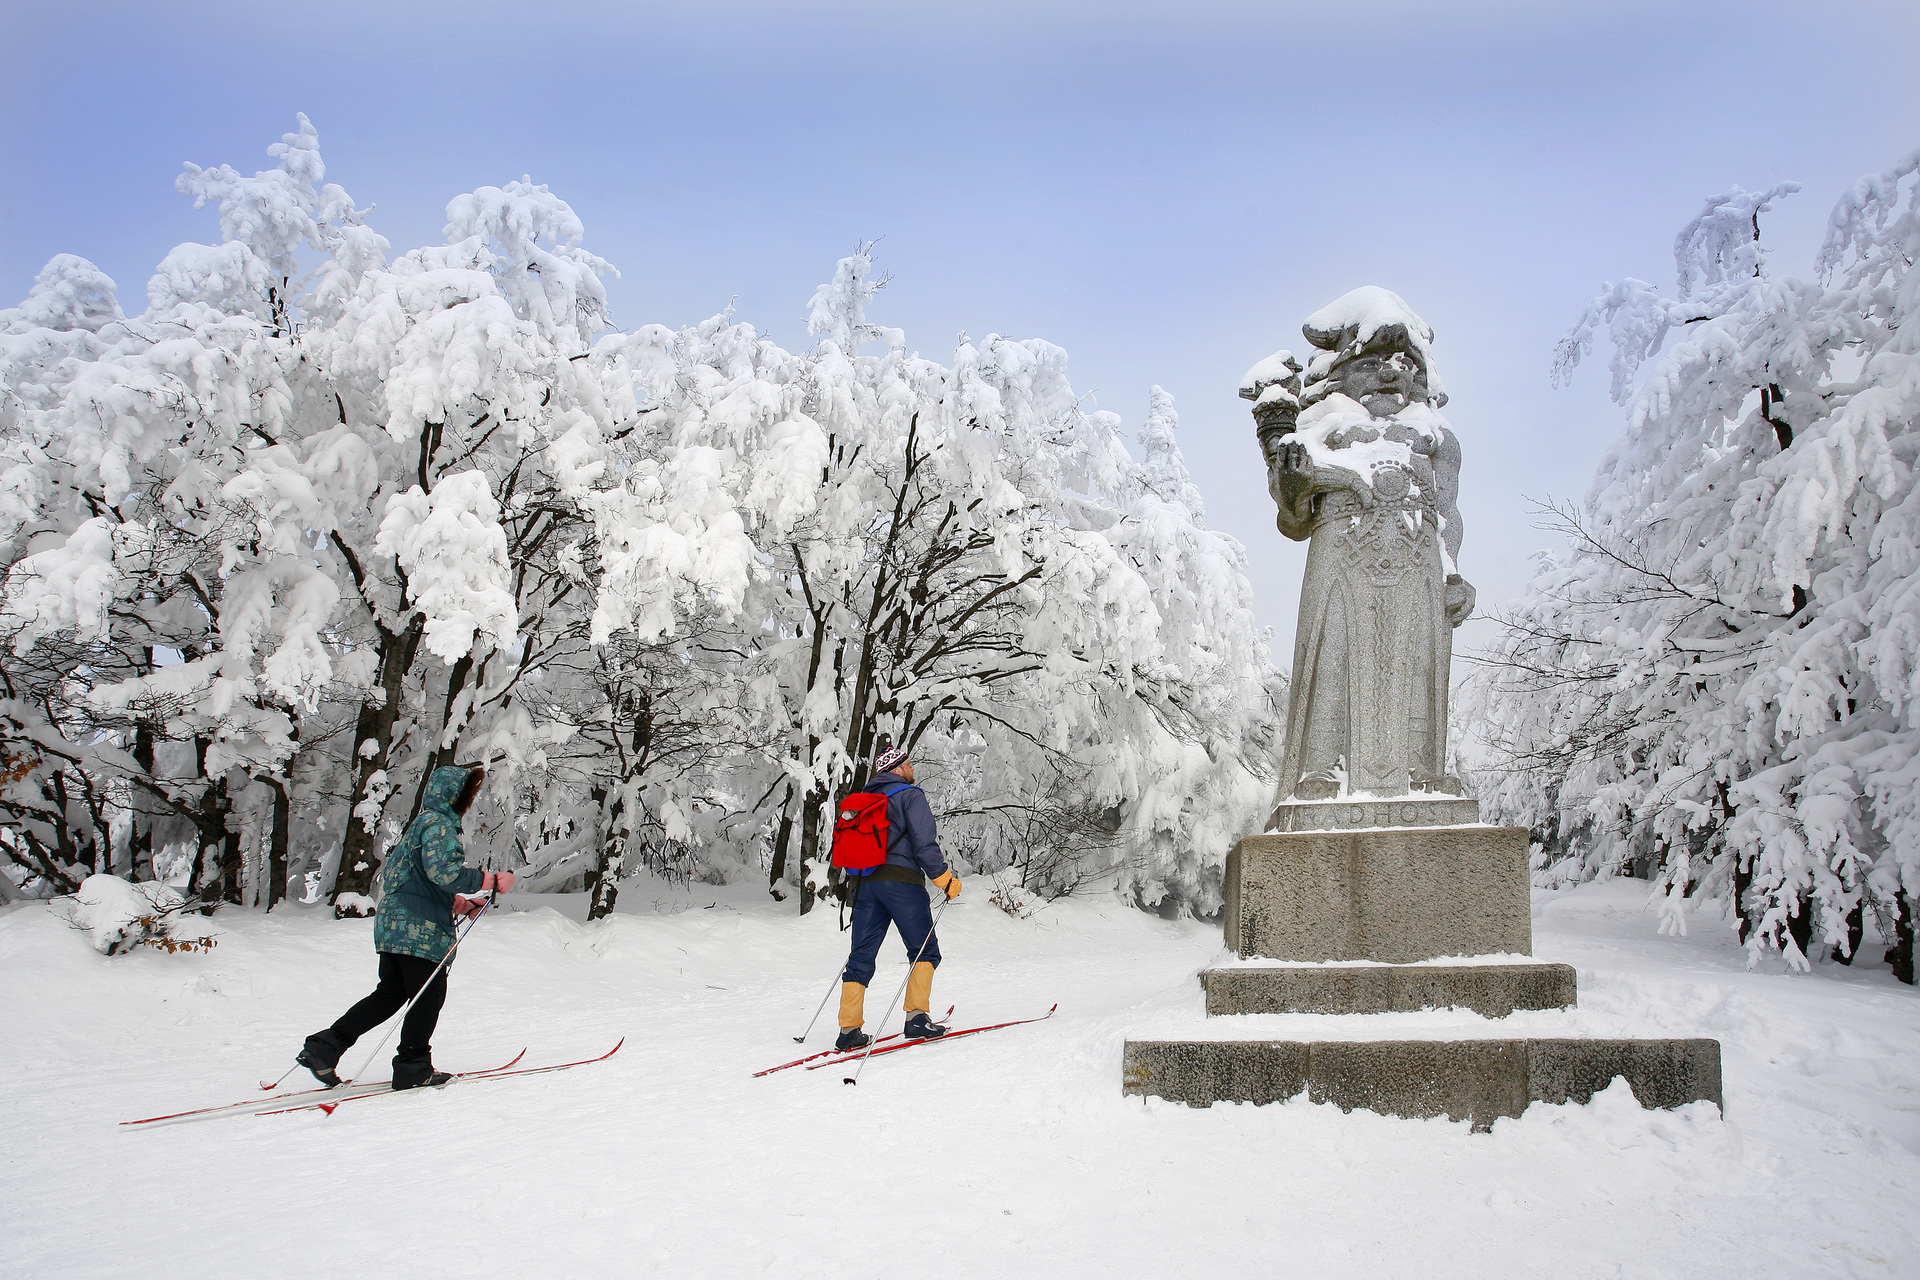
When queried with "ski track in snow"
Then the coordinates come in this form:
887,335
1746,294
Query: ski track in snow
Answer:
1012,1154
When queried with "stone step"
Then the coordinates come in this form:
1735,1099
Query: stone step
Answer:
1492,990
1476,1080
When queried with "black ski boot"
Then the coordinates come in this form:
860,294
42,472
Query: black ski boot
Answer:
851,1038
321,1055
921,1026
417,1073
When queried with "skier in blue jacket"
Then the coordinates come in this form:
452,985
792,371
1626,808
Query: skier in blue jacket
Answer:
895,892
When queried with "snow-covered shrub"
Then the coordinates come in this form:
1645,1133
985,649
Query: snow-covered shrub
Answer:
1716,684
117,916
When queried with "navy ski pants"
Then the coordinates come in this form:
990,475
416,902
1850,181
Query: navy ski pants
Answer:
886,902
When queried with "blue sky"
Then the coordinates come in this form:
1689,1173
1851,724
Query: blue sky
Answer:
1163,190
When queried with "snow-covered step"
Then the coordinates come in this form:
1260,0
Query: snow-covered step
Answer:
1477,1080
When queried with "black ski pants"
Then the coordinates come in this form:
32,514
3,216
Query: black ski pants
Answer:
400,977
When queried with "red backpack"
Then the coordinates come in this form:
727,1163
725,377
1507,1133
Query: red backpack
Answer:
860,831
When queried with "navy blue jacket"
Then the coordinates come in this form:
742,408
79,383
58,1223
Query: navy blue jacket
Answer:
910,839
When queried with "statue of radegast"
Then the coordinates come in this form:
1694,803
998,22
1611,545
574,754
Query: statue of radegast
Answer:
1372,860
1367,472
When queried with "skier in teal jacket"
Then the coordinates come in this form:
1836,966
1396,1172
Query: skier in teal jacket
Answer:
425,883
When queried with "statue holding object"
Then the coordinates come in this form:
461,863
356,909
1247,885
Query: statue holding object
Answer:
1366,472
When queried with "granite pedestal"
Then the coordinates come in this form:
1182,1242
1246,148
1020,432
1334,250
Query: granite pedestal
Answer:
1390,895
1317,898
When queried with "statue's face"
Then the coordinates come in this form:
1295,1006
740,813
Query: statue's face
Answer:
1385,382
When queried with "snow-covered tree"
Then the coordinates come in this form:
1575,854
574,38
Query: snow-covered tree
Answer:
158,589
1717,680
1210,710
323,518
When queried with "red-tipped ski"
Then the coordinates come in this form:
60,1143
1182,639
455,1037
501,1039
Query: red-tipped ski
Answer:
825,1052
269,1106
497,1074
909,1044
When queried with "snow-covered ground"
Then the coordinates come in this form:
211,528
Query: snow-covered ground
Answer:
1011,1154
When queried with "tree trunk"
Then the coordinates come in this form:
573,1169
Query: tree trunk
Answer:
780,843
603,881
358,862
140,838
211,838
1900,954
1856,928
233,861
1742,881
1800,926
809,843
278,842
604,875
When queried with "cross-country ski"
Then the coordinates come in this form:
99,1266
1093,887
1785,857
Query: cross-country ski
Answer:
881,1047
322,1097
831,1053
453,1078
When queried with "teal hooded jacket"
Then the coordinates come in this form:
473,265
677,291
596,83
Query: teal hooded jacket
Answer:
423,873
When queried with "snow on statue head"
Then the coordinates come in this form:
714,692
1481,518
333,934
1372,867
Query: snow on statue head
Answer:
1370,347
1374,349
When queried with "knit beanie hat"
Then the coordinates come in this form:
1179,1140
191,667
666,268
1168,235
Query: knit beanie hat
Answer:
887,758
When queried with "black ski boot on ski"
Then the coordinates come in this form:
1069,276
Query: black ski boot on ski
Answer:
921,1026
320,1055
417,1073
851,1038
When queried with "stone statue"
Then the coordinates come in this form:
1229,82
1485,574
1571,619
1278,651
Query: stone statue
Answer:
1367,472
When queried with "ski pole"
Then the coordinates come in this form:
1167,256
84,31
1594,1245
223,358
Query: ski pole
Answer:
802,1037
270,1086
408,1007
855,1077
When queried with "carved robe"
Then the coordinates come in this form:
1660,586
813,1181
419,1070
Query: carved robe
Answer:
1373,649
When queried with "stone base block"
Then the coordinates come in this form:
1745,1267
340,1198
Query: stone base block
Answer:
1492,990
1392,896
1344,815
1476,1080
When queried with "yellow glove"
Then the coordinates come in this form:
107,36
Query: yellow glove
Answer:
948,881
